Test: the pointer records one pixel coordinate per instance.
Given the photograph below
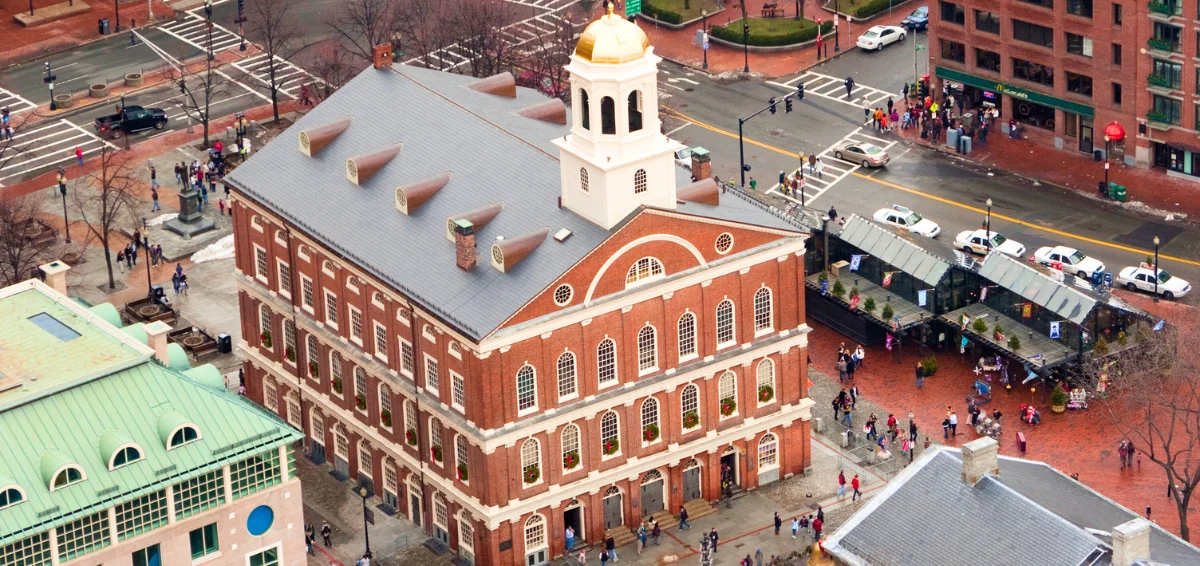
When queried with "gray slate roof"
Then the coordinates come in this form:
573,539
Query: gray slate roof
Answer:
494,154
1032,283
895,248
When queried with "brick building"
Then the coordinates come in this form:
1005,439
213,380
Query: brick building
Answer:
1169,87
622,334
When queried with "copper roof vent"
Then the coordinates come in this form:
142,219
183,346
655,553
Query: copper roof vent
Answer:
502,84
313,140
360,168
553,111
410,198
478,218
704,191
507,253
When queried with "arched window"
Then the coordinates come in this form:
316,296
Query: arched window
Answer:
583,179
10,496
687,335
335,371
768,452
366,466
435,436
650,430
460,457
289,340
183,435
725,322
606,362
410,419
526,389
264,324
535,533
570,447
385,405
531,461
727,387
635,110
609,434
567,385
647,349
639,181
68,476
586,110
360,388
441,512
123,456
608,116
762,310
766,380
314,356
644,269
689,405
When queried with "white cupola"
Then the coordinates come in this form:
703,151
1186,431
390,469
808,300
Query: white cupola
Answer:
616,158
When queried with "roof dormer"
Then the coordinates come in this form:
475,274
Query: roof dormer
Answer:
506,254
360,168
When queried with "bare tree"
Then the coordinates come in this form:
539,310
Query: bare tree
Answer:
544,60
360,25
198,90
103,200
488,49
272,21
425,28
1152,396
333,66
19,253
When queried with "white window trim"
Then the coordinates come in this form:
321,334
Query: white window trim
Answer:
369,469
699,410
569,396
308,308
259,275
302,252
620,444
457,463
282,267
256,222
279,552
442,431
434,389
695,339
654,368
296,343
400,342
453,402
533,408
379,396
379,304
271,320
351,285
401,315
331,322
428,333
280,240
342,371
366,382
616,380
733,321
455,350
774,390
658,423
328,268
350,311
540,464
737,408
758,445
770,329
375,326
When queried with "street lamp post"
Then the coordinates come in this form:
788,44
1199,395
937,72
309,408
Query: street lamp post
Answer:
1107,146
988,225
798,10
1156,242
146,246
49,80
837,26
746,46
62,188
117,16
362,492
704,36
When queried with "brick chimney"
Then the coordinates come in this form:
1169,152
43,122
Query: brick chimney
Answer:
382,55
464,244
156,334
701,164
56,275
979,459
1131,542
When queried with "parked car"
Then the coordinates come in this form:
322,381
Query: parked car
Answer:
918,20
1142,277
902,217
131,119
975,241
865,154
879,37
1071,260
683,158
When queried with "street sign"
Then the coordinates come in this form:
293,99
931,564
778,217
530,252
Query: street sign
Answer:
633,7
706,46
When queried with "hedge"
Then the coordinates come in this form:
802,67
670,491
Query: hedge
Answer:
661,14
733,33
874,7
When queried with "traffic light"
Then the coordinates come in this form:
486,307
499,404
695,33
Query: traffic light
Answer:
800,91
746,167
772,104
745,29
787,103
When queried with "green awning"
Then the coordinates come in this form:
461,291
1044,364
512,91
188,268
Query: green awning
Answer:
1015,92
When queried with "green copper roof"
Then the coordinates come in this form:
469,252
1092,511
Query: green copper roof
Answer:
178,357
108,313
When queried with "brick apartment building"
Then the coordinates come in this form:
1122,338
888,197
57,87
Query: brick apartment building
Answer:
622,335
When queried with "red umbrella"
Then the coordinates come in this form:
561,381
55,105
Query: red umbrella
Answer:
1114,131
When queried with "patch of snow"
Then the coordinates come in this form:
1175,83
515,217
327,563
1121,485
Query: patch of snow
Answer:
158,220
220,249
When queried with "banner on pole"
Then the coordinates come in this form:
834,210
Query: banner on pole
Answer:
1054,330
887,279
1027,310
983,293
921,297
855,261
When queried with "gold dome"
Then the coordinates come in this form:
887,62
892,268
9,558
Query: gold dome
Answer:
612,40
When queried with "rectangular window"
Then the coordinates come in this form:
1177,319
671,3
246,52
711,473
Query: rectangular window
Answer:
1166,37
987,22
953,13
1079,45
1116,94
331,309
1033,33
293,411
306,292
355,324
141,515
83,535
406,358
1034,72
254,473
260,264
953,50
1118,15
381,341
1080,8
460,391
199,494
1042,3
268,557
1116,55
1079,84
149,556
1071,120
285,280
1166,110
204,541
29,551
989,60
431,374
1167,74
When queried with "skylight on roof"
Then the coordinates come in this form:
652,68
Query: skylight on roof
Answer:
54,326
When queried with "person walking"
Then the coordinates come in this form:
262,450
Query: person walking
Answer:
795,526
890,105
610,547
154,200
817,525
853,396
833,215
655,533
850,88
841,484
683,516
778,523
912,429
842,368
325,533
308,542
819,168
715,538
866,106
850,365
1129,452
920,373
175,282
306,95
854,484
183,285
812,164
179,170
946,428
121,266
953,424
79,155
1122,452
153,178
847,420
837,407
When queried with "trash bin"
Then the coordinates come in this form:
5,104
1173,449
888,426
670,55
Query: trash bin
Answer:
102,26
1112,190
1100,188
157,292
1120,193
224,343
1098,155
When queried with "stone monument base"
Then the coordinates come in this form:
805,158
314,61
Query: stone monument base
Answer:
189,229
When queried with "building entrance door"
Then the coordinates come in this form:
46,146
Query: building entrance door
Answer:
414,508
1085,136
341,457
537,557
317,453
652,493
729,467
691,481
614,514
573,518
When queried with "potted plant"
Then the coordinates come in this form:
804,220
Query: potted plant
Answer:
838,289
765,394
611,446
315,369
853,292
571,460
690,419
929,366
650,433
823,277
385,416
360,401
728,406
1058,398
1101,346
1014,343
337,385
869,304
1122,338
980,327
887,312
436,452
532,473
265,337
290,353
462,472
999,332
410,436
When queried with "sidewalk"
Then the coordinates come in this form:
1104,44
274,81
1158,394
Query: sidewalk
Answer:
679,45
18,42
1151,188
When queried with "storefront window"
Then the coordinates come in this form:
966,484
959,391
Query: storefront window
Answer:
989,60
1166,110
1168,157
1034,114
1034,72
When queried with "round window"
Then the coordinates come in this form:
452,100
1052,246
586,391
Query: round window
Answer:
260,520
724,243
562,295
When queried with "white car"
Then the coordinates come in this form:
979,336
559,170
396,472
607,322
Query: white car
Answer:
906,219
683,158
879,37
1070,260
975,241
1142,277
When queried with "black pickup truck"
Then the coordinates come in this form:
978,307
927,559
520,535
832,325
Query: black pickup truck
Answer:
131,119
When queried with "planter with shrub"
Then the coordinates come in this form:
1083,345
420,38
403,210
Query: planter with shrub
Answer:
980,327
838,289
887,313
290,353
360,401
869,304
1058,398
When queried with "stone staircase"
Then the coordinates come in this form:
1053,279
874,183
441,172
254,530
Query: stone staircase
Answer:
665,519
621,535
697,508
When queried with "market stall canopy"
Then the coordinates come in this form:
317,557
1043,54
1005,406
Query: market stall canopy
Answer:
1036,348
894,248
1038,286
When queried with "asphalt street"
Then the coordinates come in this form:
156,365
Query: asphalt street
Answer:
952,192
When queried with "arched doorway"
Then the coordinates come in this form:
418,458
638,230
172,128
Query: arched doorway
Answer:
341,453
653,490
441,519
614,513
691,481
573,516
414,499
316,435
729,467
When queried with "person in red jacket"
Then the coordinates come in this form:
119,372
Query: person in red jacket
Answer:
854,484
817,524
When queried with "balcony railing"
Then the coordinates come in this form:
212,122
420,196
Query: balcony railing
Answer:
1161,117
1162,44
1167,8
1165,82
